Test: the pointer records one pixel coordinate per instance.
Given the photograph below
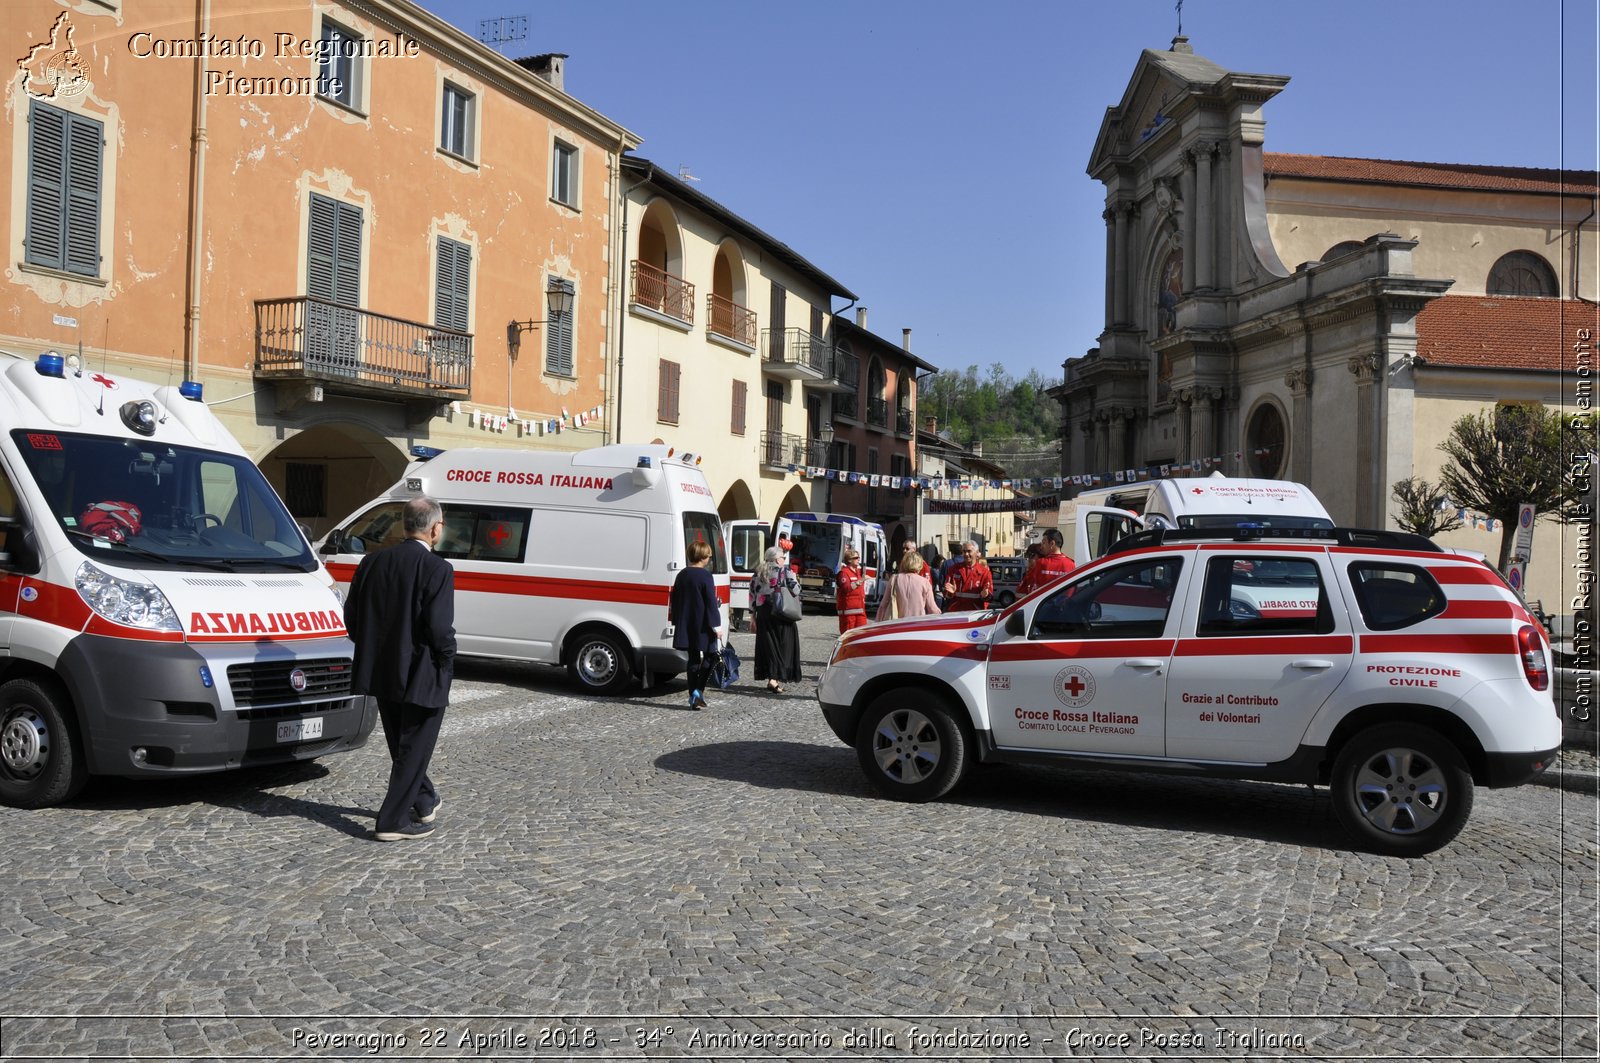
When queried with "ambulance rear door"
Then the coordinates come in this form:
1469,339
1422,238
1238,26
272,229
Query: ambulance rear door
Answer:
1097,528
746,542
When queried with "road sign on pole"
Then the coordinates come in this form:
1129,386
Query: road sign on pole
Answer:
1514,576
1522,549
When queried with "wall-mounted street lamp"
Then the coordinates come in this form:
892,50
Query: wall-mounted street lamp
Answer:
558,299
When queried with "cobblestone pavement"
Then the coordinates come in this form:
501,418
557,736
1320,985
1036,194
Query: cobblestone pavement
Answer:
629,878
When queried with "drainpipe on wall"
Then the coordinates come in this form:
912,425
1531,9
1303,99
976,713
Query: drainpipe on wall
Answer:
1577,255
197,166
622,280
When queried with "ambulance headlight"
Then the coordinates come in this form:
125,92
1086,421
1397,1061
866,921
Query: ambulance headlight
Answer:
124,601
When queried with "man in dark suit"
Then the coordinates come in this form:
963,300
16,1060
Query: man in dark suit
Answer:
401,614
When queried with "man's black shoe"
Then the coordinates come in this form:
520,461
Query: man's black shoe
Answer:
431,814
406,833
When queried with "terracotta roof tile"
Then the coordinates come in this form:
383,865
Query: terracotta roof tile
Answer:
1505,332
1463,176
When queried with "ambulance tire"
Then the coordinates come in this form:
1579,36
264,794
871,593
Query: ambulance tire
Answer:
41,759
601,661
911,746
1401,789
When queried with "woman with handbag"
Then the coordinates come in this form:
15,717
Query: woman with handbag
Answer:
696,616
909,592
777,637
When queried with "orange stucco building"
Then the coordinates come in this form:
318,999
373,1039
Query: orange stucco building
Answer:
331,214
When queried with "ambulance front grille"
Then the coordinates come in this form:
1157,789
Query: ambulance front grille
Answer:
267,683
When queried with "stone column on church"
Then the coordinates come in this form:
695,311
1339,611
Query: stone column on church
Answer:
1086,430
1298,381
1204,226
1181,402
1189,216
1117,441
1203,423
1366,368
1119,270
1109,216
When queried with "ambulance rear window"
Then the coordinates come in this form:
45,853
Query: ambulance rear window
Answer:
705,527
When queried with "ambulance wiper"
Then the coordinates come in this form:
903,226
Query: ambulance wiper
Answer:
219,566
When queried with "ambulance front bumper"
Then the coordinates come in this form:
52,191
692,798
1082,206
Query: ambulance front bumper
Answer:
170,708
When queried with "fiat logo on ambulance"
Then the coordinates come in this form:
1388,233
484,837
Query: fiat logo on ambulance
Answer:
297,681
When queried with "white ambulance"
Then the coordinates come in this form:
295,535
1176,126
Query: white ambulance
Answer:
819,542
1092,520
560,557
160,611
746,542
1413,675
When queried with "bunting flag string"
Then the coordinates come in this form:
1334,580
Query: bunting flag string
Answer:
494,421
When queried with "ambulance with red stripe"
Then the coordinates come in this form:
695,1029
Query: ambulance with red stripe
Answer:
160,611
560,557
1397,674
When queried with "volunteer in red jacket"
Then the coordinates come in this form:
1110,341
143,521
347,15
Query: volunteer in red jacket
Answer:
1049,566
968,585
850,593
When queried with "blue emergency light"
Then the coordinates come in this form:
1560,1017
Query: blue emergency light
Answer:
191,390
425,453
51,364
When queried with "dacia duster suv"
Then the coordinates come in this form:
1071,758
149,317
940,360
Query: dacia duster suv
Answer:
1374,663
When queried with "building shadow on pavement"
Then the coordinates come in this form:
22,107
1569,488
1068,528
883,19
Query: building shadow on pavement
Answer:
1272,812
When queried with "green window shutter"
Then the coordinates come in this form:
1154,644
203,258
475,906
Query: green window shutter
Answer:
558,335
333,260
347,263
65,154
452,284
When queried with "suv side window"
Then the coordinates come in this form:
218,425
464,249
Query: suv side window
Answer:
1263,595
1125,602
1394,596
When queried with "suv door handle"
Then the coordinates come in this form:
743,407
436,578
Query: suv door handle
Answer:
1311,665
1145,663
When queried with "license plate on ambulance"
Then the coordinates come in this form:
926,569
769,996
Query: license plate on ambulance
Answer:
300,730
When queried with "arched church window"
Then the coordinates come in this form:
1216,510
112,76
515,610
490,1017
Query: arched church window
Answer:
1522,273
1169,289
1266,437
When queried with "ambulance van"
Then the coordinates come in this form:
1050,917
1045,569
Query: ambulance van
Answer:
160,611
820,540
560,557
1093,520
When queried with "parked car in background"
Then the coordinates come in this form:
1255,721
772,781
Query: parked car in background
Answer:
1007,573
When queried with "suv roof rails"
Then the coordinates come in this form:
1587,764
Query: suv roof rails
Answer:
1247,533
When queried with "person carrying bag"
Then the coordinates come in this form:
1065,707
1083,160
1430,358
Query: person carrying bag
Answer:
775,600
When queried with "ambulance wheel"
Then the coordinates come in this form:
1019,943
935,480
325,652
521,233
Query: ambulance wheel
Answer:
911,746
600,662
41,763
1401,790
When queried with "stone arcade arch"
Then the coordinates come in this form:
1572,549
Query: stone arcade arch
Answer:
327,470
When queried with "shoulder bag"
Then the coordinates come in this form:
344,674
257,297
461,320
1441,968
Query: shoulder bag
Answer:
894,603
786,601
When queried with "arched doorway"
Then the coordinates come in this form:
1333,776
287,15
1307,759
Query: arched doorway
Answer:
326,472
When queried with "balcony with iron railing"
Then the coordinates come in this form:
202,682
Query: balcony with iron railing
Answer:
845,405
844,372
905,422
795,354
345,349
878,413
779,450
728,320
660,292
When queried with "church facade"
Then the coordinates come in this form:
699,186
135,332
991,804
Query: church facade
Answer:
1314,318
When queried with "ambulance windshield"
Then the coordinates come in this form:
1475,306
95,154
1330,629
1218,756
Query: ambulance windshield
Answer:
143,504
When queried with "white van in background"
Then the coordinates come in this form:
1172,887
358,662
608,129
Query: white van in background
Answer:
560,557
819,542
160,611
1093,520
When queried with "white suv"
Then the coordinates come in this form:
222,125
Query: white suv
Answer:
1371,662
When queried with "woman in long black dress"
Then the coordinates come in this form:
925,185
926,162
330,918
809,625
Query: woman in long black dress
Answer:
777,641
695,617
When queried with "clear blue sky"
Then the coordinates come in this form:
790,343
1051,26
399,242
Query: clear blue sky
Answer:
930,155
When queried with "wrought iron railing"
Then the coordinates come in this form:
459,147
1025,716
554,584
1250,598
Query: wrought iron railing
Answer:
316,338
903,421
796,346
660,291
730,319
878,412
782,448
844,404
846,369
819,452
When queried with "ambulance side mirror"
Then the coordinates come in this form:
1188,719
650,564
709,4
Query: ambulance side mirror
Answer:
18,552
335,542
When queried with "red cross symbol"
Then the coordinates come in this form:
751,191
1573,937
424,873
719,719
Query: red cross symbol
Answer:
1074,686
104,381
499,534
1197,490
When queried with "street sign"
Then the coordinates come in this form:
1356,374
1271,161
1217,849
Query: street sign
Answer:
62,319
1523,548
1514,576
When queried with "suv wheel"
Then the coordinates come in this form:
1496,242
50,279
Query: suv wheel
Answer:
910,746
1401,790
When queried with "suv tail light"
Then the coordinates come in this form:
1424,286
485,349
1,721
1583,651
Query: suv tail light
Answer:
1530,644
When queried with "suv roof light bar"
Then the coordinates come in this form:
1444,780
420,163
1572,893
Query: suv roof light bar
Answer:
1250,533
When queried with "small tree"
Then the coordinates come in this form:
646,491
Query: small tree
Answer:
1424,507
1514,454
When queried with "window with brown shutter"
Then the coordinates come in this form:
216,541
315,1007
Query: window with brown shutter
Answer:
667,398
740,397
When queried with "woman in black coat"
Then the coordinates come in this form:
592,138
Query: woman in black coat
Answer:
777,642
695,615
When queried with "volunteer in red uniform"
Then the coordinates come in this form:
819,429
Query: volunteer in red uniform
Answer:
1049,566
850,594
968,585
